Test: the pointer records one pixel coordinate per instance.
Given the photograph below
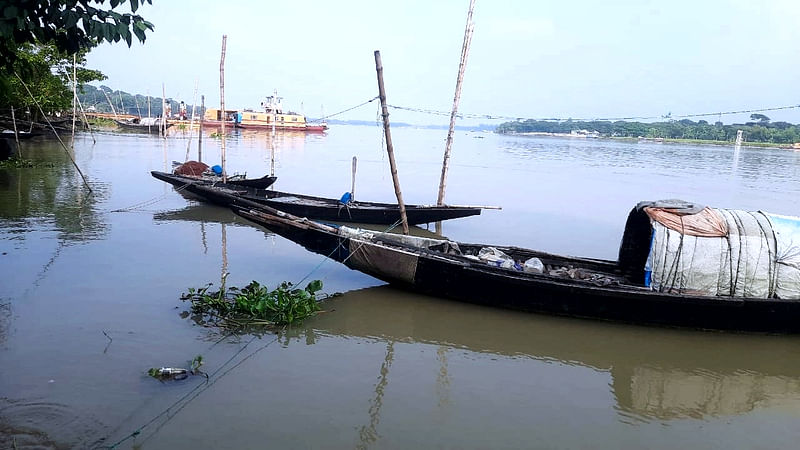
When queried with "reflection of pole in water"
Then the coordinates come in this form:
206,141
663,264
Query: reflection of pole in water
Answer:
369,434
224,253
737,147
203,237
443,378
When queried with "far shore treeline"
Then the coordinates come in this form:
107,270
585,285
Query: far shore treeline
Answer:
759,130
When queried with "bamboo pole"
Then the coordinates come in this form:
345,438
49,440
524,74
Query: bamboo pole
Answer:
83,114
222,103
389,147
191,123
110,104
163,124
148,111
200,134
86,183
353,180
461,67
272,136
16,133
74,96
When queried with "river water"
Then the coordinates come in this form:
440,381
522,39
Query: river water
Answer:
90,287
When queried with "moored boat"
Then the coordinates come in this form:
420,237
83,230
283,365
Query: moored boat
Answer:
273,116
196,171
529,280
317,208
152,125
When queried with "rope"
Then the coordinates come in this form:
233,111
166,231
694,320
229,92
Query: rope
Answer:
348,109
152,201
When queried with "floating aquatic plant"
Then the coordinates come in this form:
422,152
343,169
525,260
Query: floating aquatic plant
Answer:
254,304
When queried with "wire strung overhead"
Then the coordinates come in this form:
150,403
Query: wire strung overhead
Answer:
669,116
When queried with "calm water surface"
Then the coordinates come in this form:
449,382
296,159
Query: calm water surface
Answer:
89,300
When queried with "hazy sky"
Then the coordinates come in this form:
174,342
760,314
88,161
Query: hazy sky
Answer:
533,59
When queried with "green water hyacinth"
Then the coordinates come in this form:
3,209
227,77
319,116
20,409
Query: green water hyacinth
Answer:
255,304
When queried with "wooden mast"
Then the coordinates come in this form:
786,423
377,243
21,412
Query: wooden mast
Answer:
389,147
222,103
464,53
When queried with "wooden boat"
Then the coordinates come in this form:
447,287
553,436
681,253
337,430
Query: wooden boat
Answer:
273,116
198,171
150,125
568,286
213,118
317,208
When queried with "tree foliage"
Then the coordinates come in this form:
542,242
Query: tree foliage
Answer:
47,72
762,131
69,25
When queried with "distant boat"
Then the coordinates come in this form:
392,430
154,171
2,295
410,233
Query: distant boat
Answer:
273,116
150,125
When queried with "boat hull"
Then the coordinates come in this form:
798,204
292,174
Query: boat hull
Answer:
478,283
318,208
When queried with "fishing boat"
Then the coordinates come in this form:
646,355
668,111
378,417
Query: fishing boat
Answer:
150,125
272,116
317,208
662,276
196,171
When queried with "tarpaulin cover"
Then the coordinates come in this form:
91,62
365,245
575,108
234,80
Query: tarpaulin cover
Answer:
191,168
740,264
787,237
706,223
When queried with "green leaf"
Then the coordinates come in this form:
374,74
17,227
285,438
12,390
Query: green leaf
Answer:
134,6
314,286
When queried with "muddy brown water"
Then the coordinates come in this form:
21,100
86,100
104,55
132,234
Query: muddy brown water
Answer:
90,286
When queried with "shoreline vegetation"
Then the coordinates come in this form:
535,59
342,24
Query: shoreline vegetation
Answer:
760,132
654,140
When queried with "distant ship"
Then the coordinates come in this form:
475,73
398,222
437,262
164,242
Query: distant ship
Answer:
273,116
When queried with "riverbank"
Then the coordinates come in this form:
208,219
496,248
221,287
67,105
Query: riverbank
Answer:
652,140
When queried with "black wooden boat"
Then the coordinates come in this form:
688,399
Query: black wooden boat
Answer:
317,208
200,172
569,286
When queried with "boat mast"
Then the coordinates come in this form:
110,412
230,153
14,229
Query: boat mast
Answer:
222,103
464,53
389,147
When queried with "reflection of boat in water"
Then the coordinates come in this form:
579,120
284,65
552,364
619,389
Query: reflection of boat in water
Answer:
201,212
273,117
655,374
